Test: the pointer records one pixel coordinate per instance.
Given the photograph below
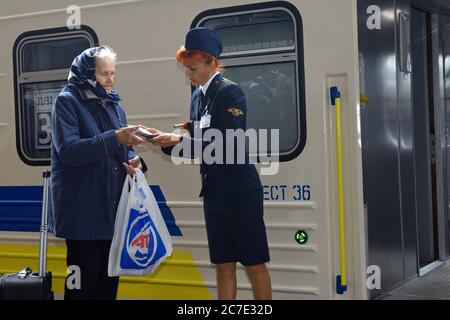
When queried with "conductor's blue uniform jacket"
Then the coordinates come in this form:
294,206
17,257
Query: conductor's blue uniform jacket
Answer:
225,103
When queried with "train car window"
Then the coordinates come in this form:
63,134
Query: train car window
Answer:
263,53
51,54
42,60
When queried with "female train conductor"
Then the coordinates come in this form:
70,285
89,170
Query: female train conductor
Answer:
232,192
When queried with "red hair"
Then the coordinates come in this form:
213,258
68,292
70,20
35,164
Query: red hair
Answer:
187,57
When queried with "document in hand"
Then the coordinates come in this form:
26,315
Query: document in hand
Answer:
141,239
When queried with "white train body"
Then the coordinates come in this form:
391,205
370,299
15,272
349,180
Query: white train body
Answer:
303,195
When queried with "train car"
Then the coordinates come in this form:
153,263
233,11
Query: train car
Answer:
355,203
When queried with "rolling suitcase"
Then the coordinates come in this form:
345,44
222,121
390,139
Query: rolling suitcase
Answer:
28,285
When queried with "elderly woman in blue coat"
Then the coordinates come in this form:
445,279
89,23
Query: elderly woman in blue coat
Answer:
91,154
232,192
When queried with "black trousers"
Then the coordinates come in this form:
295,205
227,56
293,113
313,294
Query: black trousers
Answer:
89,261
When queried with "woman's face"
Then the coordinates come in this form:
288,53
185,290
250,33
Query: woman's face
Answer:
199,73
104,73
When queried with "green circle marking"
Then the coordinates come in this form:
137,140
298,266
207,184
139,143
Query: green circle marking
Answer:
301,237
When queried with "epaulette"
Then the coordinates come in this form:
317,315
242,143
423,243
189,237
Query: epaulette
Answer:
228,81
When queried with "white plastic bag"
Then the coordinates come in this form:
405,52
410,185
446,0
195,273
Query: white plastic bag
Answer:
141,239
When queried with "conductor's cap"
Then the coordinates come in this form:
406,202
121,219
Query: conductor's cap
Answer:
203,39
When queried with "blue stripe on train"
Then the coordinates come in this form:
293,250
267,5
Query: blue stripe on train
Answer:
20,209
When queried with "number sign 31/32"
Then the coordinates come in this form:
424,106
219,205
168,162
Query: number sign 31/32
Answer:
43,104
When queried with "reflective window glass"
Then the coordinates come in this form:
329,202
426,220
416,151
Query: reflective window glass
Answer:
42,61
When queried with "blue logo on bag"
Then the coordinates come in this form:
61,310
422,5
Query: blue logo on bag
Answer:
143,245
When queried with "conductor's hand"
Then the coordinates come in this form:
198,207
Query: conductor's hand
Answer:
166,140
127,137
132,164
154,132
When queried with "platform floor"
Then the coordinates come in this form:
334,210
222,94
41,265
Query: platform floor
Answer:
435,285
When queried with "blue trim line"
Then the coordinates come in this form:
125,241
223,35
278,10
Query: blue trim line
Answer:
166,212
21,208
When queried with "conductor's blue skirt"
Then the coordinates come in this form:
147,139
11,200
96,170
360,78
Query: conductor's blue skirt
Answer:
236,230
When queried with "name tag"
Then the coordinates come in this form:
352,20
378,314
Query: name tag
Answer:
205,121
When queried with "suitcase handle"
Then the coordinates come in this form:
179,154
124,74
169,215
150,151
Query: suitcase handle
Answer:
44,217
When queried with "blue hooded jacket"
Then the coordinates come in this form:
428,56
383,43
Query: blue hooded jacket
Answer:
86,158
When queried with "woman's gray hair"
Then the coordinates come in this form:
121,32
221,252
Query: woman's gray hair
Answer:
105,52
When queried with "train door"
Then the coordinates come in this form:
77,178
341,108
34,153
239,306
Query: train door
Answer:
401,125
446,150
424,139
386,141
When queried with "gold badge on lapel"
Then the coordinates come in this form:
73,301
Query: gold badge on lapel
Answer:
235,112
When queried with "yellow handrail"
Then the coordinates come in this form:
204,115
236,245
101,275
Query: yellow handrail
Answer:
341,281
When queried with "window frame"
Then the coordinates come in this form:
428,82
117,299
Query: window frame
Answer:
263,56
24,78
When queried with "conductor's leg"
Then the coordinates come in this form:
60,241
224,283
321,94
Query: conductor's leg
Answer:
260,280
226,281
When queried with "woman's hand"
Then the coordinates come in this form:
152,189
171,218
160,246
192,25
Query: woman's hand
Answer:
126,136
132,164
